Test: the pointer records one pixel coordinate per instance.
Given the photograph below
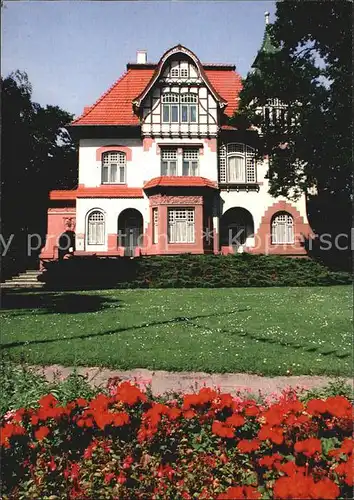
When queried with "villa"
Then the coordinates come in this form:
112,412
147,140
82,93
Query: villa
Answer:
161,171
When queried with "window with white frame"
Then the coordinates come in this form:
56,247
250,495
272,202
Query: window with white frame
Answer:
237,164
113,167
189,108
96,228
177,72
282,229
190,162
155,227
181,228
169,162
179,108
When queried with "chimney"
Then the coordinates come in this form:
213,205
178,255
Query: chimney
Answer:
266,15
141,56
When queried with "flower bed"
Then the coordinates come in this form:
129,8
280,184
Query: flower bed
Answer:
127,444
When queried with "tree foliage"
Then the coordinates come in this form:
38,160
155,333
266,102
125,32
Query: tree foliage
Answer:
311,73
37,155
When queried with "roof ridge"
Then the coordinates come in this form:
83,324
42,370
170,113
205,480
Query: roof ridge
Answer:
84,114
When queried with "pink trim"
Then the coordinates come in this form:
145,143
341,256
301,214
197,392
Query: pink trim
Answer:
147,143
114,147
212,143
302,230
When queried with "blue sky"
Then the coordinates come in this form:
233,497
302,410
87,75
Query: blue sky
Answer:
74,50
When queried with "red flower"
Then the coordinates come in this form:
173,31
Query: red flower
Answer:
289,468
308,447
235,420
108,477
174,413
251,493
48,401
340,407
232,493
81,402
189,414
52,465
34,420
274,434
346,469
269,460
297,486
252,411
129,394
240,492
41,433
120,419
325,488
8,431
316,406
127,462
246,446
222,430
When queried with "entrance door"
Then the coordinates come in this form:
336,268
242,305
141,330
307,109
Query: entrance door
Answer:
130,230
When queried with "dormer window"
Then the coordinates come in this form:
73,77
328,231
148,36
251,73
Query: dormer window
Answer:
113,167
179,108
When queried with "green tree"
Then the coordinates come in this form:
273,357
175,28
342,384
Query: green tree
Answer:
306,62
37,155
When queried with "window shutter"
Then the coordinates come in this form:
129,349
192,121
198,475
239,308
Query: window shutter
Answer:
222,163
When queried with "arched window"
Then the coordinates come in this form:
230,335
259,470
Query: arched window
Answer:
113,167
96,228
282,229
237,163
179,108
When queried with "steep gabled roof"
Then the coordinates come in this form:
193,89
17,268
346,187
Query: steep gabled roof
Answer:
115,106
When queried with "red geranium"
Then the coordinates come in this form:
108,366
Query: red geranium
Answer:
274,434
308,447
247,446
41,433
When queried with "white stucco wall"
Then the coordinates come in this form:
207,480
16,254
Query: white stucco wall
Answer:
144,165
112,207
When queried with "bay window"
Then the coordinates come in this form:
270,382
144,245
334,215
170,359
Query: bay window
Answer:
181,227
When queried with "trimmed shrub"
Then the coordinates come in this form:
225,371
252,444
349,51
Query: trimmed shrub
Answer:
189,271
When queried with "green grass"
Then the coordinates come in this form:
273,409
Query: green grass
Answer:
258,330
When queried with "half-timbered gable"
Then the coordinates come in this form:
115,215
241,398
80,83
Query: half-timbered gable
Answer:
179,101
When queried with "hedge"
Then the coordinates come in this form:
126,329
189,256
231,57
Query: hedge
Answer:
188,271
129,444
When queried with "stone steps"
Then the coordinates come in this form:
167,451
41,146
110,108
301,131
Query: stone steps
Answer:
27,279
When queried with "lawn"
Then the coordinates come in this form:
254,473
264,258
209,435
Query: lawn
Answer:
270,331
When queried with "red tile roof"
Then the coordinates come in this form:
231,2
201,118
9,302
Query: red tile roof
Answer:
63,194
179,181
108,191
114,107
